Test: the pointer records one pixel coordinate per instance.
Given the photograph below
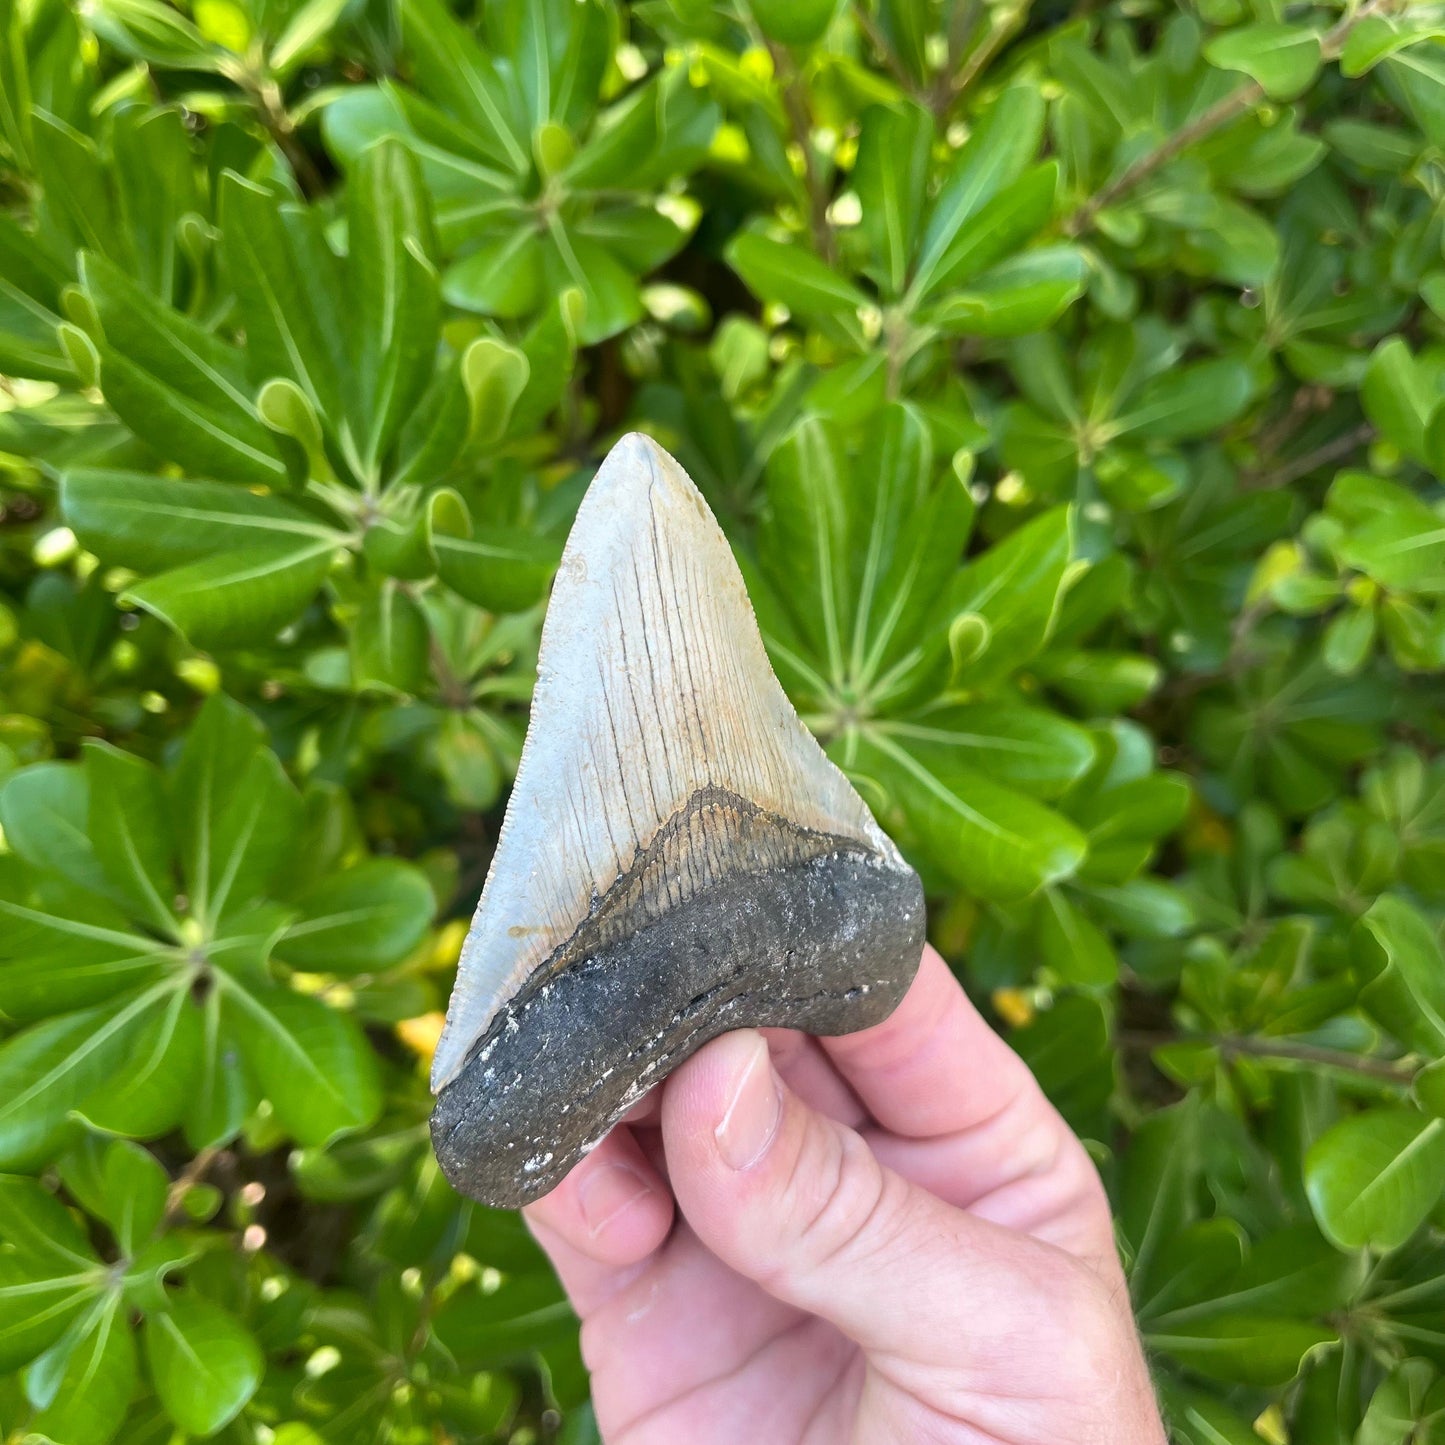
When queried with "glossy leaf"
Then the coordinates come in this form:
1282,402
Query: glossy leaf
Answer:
204,1363
993,840
1373,1177
1284,59
368,917
1400,957
153,523
310,1060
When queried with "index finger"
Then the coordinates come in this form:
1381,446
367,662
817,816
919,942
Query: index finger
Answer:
933,1066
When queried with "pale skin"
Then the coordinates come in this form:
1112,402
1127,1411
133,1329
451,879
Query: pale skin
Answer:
886,1237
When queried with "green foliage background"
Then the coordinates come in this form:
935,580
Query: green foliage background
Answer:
1070,380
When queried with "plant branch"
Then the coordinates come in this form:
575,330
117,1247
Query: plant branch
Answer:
1230,108
1334,450
800,121
1220,114
266,96
187,1180
1003,29
451,689
1233,1046
886,53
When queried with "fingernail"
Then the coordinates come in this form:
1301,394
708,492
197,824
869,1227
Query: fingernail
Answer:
606,1192
752,1115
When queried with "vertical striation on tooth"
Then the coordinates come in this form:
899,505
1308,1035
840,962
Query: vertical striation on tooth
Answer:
672,828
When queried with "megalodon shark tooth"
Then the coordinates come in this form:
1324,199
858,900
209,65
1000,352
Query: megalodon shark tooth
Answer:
678,857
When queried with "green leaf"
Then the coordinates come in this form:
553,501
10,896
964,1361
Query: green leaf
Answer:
1397,540
501,569
134,1188
282,275
1019,296
54,961
30,285
1146,807
1249,1349
398,310
1373,38
152,1091
198,438
1374,1177
367,917
53,1067
794,22
1399,958
1197,1261
1284,59
1430,1088
1403,1401
1016,587
455,71
1100,683
35,1225
659,130
156,192
1161,1168
906,534
612,299
550,347
245,595
129,826
48,1272
467,758
1399,397
149,523
92,1377
784,272
997,843
495,375
1074,947
169,378
223,1095
890,179
1199,1419
1067,1049
1028,748
306,29
311,1061
503,276
1292,1272
1002,144
204,1363
236,814
45,811
390,641
1189,401
153,32
1348,640
998,230
803,540
73,177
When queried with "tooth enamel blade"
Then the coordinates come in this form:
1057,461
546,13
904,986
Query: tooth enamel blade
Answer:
663,769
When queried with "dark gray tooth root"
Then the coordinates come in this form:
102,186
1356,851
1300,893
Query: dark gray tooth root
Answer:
678,858
828,945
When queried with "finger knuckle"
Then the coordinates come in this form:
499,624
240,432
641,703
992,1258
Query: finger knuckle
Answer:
838,1204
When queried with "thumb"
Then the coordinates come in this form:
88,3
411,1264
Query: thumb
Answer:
798,1202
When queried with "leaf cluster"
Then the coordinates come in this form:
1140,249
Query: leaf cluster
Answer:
1070,382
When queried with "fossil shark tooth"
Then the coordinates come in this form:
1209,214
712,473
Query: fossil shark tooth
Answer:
678,858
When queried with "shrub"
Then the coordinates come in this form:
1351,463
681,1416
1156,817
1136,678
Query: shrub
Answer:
1071,383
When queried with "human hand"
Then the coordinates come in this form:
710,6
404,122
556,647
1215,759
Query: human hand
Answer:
890,1236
